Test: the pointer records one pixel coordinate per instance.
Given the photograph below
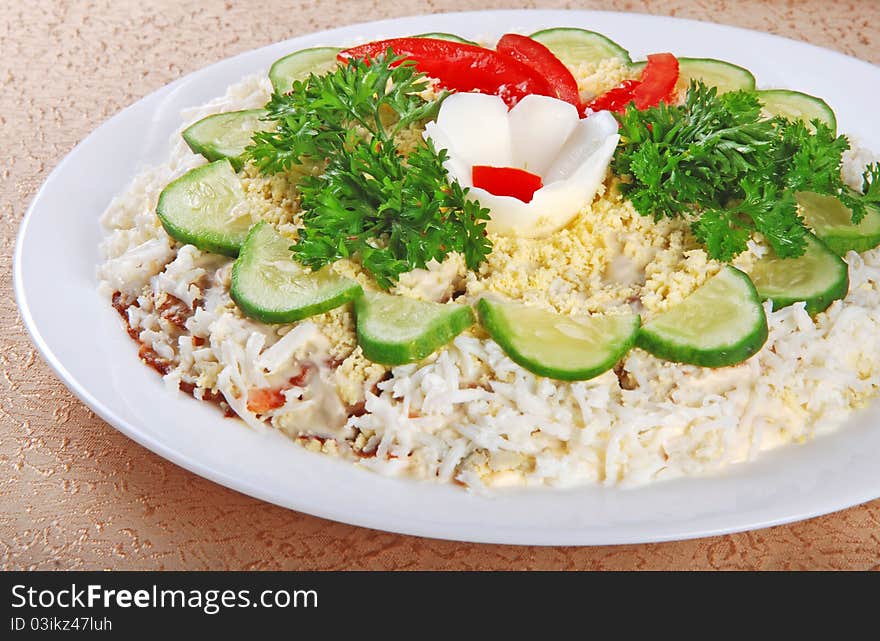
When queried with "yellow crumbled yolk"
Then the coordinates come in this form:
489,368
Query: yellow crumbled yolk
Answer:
609,259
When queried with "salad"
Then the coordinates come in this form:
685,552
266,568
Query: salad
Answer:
536,263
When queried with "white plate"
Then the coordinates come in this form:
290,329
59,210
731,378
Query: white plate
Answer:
82,339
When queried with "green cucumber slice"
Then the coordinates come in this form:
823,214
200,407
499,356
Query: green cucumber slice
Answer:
297,66
795,105
721,323
575,46
831,221
226,135
394,329
818,278
451,37
568,348
202,208
725,76
269,285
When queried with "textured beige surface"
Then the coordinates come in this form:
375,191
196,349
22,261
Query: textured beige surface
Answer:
74,493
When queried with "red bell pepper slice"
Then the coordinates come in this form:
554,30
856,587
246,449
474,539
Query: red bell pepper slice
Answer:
461,67
616,99
507,181
541,59
656,84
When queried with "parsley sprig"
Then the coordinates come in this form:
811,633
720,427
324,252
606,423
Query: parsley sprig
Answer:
718,162
391,212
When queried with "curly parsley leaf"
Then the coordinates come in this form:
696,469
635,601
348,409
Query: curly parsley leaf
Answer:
723,236
390,211
718,162
869,196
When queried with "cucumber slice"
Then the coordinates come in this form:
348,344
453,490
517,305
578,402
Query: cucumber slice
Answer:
446,36
568,348
269,285
795,105
715,73
394,330
202,208
226,135
818,278
721,323
575,46
297,66
831,221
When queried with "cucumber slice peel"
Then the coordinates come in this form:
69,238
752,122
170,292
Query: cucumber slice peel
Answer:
299,65
562,347
818,278
267,284
795,105
225,135
203,208
832,222
451,37
575,46
725,76
721,323
394,330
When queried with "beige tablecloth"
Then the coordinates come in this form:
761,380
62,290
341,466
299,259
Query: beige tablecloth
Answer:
75,493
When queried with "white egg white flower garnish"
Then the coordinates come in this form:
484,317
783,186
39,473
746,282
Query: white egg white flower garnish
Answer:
541,135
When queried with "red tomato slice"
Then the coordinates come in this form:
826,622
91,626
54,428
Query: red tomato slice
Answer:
658,81
507,181
541,59
462,67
